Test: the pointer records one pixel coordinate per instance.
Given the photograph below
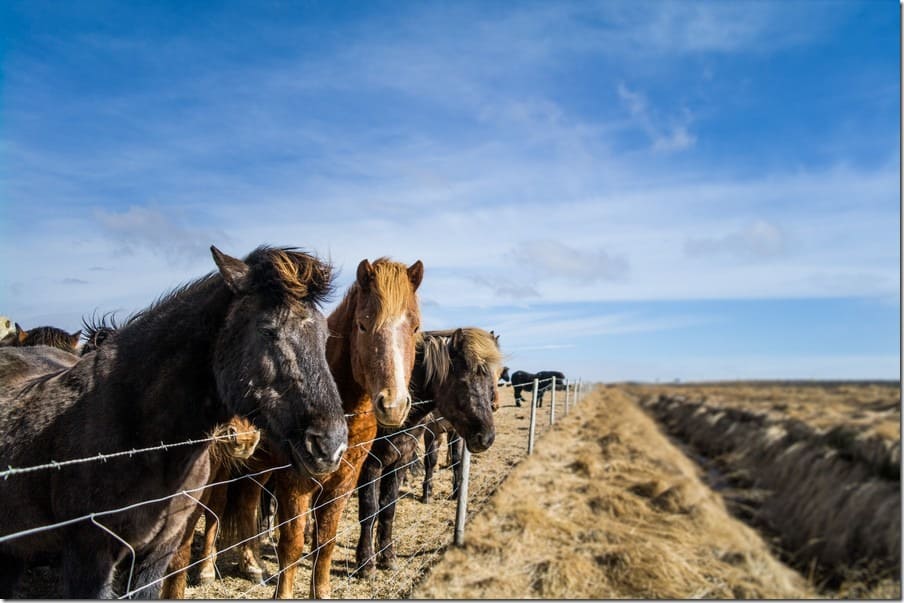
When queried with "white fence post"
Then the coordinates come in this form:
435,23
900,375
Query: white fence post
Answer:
552,404
567,389
461,512
533,420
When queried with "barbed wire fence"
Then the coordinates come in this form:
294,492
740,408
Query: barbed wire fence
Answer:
424,556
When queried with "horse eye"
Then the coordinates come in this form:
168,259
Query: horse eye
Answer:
417,328
361,326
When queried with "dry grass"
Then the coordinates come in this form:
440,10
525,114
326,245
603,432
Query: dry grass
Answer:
827,488
608,508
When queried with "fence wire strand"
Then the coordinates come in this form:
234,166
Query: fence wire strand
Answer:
475,506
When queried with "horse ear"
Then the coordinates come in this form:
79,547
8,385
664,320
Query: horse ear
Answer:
21,334
365,274
74,338
234,272
416,274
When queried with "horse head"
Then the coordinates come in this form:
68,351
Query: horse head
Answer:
270,354
468,394
383,333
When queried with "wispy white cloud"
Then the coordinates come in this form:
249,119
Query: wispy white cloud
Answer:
153,229
758,240
673,137
550,258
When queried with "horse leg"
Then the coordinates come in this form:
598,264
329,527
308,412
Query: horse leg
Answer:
367,515
87,567
216,507
517,389
11,569
456,449
174,584
430,454
293,504
389,493
151,567
327,525
247,504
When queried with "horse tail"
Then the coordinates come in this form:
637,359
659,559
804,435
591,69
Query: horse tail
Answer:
240,518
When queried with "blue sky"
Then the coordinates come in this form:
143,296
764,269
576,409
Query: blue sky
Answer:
622,190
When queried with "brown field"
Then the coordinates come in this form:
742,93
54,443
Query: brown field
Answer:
815,466
608,506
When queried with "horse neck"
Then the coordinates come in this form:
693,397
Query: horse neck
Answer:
170,349
424,394
339,355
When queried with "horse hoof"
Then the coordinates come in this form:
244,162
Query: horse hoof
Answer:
425,499
206,578
366,571
387,564
255,574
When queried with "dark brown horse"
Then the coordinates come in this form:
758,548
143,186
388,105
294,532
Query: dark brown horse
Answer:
18,365
247,340
49,336
454,376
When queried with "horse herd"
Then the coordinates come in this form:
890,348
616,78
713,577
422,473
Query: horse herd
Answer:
243,370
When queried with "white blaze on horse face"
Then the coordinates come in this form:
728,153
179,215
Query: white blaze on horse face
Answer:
400,384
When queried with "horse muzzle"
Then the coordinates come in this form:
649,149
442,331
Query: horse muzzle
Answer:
479,441
391,411
320,453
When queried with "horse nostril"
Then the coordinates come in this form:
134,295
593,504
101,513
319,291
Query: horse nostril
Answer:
342,448
378,403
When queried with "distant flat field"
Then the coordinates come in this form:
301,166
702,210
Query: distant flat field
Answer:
871,406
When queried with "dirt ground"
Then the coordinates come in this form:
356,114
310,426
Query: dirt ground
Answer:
422,531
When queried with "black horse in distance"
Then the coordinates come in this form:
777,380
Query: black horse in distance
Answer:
524,381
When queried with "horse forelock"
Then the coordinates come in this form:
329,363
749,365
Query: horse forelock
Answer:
294,275
393,291
437,363
479,347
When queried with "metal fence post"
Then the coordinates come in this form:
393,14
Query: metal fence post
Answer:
533,420
552,404
567,389
461,512
580,389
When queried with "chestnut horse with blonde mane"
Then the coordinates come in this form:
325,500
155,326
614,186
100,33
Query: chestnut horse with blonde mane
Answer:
371,352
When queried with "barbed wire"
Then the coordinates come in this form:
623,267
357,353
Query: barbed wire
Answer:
104,457
10,471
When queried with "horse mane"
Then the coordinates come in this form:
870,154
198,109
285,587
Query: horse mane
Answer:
392,288
291,274
50,336
284,274
479,347
94,325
